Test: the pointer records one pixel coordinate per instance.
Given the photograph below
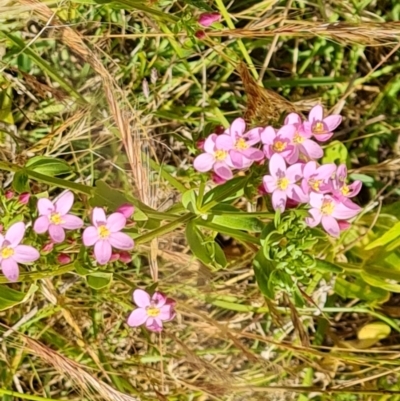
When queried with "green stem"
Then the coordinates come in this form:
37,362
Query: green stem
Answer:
164,229
25,396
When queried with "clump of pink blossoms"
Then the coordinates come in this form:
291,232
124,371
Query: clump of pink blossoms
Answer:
295,177
54,217
152,311
105,234
12,253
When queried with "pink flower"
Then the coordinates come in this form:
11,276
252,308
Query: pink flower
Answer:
11,253
278,142
317,178
217,179
217,157
322,128
243,153
126,209
125,257
151,311
282,182
327,210
9,194
63,259
207,19
23,199
105,234
48,247
54,217
341,190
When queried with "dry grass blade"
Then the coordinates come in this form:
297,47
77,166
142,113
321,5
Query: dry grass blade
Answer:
84,381
365,33
263,106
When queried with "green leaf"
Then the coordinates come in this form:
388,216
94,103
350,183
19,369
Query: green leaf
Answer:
335,152
10,297
99,280
196,243
48,165
359,289
189,200
238,222
379,282
387,237
21,181
324,266
263,269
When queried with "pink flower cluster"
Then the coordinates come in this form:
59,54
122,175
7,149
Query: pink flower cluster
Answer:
294,176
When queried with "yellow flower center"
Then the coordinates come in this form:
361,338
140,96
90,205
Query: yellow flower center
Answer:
345,190
152,311
318,128
7,252
314,184
298,138
241,144
279,146
103,232
56,219
220,154
327,207
283,183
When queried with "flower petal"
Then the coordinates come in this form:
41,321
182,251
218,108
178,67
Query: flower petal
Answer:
159,299
10,269
268,135
209,144
41,224
222,170
204,162
310,169
64,203
316,113
15,234
312,149
315,218
269,183
224,142
277,166
57,233
71,222
293,118
25,254
45,206
238,160
116,222
355,188
287,131
137,317
90,236
154,325
316,200
253,154
253,136
294,172
331,226
323,137
121,241
141,298
237,128
326,171
333,121
102,251
98,216
279,200
166,313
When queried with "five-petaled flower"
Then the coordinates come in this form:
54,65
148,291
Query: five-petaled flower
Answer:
322,128
317,178
54,217
105,234
12,253
341,190
282,182
327,210
279,142
151,311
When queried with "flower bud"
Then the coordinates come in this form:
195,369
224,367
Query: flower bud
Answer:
23,199
63,259
48,247
114,256
207,19
125,257
9,194
200,34
200,144
126,209
217,179
219,129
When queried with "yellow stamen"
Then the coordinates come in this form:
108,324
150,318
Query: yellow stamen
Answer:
327,207
298,138
220,154
314,184
279,146
7,252
152,311
103,232
241,144
56,219
345,190
318,128
283,183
